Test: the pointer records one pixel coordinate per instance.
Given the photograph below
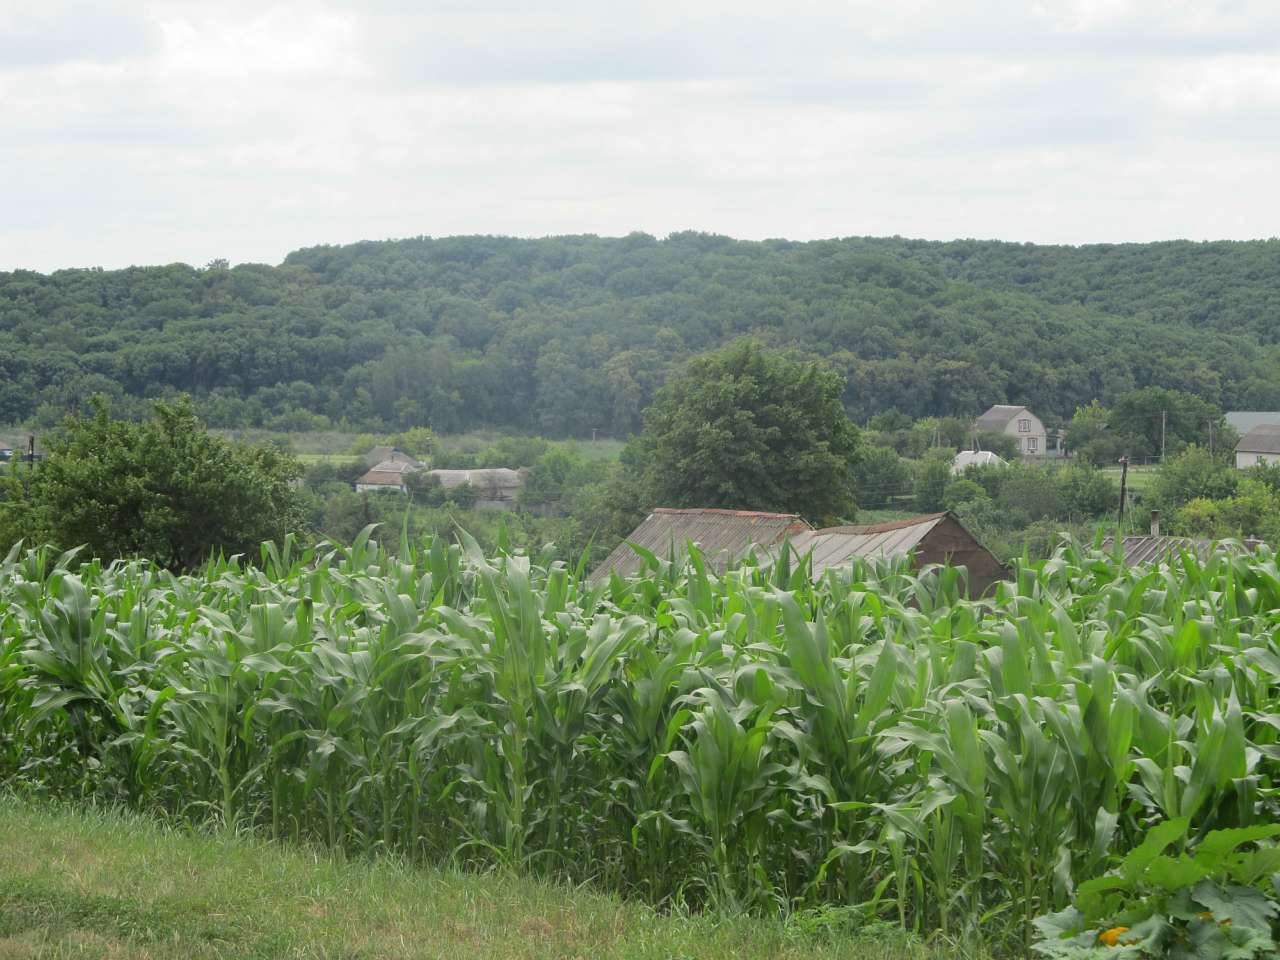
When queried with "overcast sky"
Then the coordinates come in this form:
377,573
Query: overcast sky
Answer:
140,132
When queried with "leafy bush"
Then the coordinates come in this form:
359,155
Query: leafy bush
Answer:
1214,903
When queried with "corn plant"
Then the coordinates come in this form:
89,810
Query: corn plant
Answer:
873,741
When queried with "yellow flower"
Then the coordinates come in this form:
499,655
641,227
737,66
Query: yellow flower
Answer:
1112,937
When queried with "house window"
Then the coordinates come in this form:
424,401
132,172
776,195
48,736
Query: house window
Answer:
1024,426
1031,445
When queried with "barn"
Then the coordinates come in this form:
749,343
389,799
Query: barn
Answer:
726,536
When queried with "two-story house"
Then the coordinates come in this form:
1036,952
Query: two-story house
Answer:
1017,422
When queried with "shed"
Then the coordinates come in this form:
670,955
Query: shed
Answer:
1141,550
1260,445
934,538
497,488
723,536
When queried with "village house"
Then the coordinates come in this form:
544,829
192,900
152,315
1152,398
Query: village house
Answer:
1019,423
1242,421
496,488
724,537
387,475
1260,445
387,454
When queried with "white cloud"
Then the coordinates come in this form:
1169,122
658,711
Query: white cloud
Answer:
154,132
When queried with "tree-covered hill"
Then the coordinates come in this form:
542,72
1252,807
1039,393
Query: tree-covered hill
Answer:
565,335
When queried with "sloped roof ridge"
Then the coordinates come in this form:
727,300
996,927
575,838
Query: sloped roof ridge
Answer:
722,512
885,527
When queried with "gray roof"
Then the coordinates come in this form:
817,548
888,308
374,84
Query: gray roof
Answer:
494,483
836,546
997,418
1242,421
975,458
397,466
388,454
1264,438
381,478
1141,550
722,536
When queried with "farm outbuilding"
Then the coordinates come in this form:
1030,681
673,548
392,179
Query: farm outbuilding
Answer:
726,536
1143,550
723,536
934,538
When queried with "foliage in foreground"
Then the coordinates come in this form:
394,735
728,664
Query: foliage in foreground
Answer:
102,885
1217,903
162,488
752,742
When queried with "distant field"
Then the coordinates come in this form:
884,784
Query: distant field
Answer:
104,886
330,445
1139,477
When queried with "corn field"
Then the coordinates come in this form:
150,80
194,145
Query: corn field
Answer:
747,742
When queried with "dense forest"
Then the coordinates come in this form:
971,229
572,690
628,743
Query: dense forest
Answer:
567,335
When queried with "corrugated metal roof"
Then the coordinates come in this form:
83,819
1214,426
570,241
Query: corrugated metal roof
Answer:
1264,438
722,536
997,417
835,546
1242,421
1144,550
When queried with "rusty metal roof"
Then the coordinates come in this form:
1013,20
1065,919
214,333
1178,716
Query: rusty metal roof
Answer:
1143,550
722,536
835,546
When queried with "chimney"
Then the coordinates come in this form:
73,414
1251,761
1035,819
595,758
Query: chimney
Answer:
1155,523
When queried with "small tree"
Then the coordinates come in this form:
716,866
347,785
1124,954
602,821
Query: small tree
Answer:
1190,475
163,489
933,474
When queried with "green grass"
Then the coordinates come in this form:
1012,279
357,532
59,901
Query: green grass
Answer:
1140,478
94,885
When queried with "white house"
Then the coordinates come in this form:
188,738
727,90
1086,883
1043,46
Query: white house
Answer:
974,458
1259,445
1017,422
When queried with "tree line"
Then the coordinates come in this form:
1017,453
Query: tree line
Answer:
564,336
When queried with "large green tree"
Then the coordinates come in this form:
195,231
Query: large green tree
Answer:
163,488
747,428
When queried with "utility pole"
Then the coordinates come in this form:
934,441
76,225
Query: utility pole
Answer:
1124,480
1211,439
1163,418
31,464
